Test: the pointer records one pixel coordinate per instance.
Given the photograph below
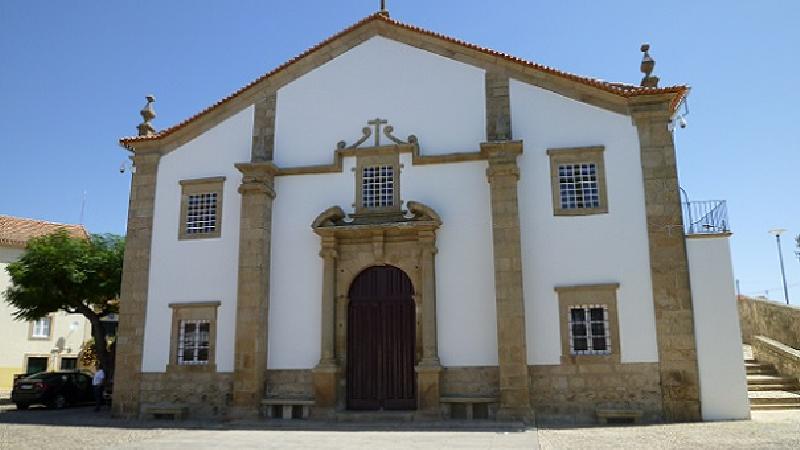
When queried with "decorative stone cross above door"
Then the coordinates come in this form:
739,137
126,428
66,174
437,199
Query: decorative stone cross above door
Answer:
367,131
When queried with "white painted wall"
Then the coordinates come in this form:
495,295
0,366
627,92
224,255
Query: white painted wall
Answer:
464,270
609,247
200,269
723,382
442,102
438,99
465,296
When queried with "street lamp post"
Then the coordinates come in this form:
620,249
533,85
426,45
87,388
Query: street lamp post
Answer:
777,232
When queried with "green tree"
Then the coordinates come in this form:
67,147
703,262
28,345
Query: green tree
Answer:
59,272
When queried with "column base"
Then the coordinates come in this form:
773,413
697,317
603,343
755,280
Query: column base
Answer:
325,378
428,394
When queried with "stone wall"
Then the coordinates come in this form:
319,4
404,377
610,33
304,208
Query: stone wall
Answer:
785,359
477,381
771,319
572,394
206,394
295,383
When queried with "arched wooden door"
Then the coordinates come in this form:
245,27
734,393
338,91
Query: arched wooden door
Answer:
380,341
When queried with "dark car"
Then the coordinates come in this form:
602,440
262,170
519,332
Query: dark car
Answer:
54,389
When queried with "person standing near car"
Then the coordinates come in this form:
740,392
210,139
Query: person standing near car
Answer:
98,381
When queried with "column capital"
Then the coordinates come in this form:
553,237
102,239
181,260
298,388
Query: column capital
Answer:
146,160
258,177
501,151
651,108
328,253
502,158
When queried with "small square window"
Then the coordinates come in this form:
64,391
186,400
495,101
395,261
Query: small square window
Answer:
578,181
194,342
589,330
201,208
40,329
377,187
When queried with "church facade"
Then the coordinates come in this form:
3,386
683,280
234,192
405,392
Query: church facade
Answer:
396,220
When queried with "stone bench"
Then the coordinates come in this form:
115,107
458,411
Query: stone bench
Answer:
157,412
618,416
286,408
469,407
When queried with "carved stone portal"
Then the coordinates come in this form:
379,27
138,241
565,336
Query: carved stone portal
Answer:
406,240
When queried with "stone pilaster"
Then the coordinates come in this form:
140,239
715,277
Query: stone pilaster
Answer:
135,282
429,369
252,305
668,263
264,129
326,373
503,175
498,106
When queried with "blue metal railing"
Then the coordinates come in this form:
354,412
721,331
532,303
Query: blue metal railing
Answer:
705,217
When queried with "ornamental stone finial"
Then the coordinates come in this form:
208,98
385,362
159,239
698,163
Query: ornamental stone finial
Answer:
648,64
148,114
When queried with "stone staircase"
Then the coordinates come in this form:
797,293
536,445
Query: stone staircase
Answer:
768,390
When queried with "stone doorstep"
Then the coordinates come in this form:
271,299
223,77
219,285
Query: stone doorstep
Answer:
619,416
177,412
288,408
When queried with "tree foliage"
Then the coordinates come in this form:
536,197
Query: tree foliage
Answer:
59,272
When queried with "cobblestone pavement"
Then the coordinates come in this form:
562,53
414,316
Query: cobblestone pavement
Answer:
83,428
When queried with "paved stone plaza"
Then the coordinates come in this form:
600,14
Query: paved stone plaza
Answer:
82,428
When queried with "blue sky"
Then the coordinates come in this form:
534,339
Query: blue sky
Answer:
73,76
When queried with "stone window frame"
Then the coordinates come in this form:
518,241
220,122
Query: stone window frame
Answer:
379,156
574,155
203,310
49,336
208,185
602,294
27,356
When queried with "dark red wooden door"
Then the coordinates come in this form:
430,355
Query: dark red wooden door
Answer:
380,341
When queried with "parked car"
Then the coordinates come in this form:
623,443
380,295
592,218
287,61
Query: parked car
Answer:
54,389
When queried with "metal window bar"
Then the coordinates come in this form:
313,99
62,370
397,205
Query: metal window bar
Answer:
589,330
201,213
377,186
578,188
194,342
705,217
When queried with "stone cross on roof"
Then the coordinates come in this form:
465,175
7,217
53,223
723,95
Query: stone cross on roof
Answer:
376,122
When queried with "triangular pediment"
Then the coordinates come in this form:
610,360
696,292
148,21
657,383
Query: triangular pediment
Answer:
611,96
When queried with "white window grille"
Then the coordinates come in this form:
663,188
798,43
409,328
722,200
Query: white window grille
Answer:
201,213
41,328
588,330
578,186
194,343
377,186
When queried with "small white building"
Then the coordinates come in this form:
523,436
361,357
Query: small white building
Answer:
50,343
400,220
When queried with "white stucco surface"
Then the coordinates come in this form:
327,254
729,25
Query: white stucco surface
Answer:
464,272
465,296
604,248
295,314
198,269
438,99
723,381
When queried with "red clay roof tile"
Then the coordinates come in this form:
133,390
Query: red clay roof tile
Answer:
621,89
